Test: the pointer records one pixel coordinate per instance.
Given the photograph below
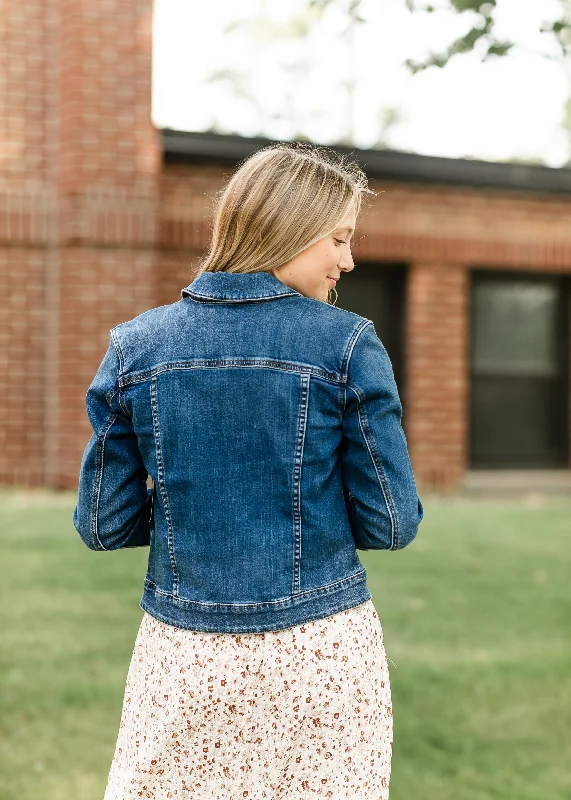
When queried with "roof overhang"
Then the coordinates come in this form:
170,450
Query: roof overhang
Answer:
189,147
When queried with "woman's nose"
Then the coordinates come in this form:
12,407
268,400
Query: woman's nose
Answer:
346,262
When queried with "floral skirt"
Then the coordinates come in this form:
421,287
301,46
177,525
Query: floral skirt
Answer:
293,713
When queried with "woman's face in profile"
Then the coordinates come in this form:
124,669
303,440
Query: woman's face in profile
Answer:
312,271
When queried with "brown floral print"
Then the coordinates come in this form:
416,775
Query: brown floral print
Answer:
294,713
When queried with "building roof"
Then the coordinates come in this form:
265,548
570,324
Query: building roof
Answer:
189,147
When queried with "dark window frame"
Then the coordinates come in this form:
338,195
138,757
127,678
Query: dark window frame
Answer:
563,333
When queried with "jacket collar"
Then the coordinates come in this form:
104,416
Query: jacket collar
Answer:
237,287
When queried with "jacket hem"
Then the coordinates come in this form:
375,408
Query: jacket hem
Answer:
293,611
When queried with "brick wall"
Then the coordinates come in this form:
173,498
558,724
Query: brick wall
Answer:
409,222
108,185
436,362
27,202
80,164
441,233
94,230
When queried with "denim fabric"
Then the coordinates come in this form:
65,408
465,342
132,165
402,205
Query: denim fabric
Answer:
270,424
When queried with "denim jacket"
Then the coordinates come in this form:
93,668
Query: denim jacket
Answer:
270,424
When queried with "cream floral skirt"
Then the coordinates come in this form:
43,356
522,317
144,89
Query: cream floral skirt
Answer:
294,713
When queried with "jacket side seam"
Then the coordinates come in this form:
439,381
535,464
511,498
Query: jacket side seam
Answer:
381,475
99,463
162,483
298,466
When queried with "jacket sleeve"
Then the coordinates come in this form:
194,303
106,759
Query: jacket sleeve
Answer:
114,504
378,481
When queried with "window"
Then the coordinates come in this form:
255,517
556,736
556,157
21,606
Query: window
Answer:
519,372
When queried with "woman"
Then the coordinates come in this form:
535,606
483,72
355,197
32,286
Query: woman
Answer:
270,424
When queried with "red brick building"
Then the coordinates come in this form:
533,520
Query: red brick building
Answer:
464,266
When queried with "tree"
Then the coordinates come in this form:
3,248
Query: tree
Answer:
264,32
482,32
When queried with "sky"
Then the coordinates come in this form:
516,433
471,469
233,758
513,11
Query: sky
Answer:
496,110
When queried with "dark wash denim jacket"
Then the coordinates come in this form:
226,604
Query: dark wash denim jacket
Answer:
270,423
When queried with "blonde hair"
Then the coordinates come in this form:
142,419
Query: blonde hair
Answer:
279,201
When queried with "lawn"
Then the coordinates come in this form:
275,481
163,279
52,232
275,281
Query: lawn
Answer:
476,615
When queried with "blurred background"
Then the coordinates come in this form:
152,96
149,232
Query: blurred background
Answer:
119,123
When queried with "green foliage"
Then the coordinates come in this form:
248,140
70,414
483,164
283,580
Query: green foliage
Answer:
482,35
480,38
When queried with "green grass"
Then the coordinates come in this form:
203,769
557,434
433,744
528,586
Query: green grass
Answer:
476,615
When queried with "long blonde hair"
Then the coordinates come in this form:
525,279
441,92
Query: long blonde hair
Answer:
279,201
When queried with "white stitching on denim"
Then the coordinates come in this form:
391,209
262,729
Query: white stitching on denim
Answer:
269,603
209,298
296,479
99,464
347,357
161,482
351,346
122,402
382,478
111,395
231,363
118,349
255,628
